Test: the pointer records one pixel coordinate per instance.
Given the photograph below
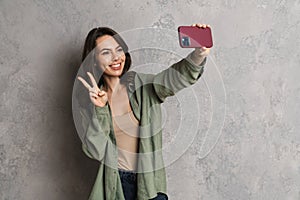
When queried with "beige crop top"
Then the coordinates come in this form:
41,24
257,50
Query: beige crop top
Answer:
126,128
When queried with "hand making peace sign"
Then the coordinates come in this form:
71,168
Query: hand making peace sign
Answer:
97,96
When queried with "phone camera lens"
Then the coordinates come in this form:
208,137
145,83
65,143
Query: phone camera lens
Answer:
185,41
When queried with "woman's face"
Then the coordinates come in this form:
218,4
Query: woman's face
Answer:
110,56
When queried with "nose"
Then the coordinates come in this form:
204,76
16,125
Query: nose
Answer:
115,56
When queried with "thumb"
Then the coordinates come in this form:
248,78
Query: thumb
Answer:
101,93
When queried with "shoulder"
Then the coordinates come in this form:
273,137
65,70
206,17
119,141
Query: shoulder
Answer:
140,85
136,79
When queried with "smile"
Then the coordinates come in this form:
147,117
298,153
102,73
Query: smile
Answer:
115,66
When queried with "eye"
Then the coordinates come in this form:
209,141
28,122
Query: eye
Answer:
104,53
120,49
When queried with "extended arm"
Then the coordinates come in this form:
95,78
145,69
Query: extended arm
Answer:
182,74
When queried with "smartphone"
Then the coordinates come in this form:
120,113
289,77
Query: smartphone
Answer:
193,36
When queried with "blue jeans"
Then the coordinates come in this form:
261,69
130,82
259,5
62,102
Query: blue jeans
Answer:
129,186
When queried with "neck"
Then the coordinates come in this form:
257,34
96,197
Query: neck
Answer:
112,84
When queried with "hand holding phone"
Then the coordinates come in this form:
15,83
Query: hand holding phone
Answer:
194,36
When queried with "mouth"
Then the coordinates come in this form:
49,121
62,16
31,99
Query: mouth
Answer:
115,66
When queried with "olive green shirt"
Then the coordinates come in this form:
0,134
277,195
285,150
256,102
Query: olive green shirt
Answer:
146,92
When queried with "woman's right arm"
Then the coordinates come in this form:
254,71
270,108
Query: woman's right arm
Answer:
98,129
97,133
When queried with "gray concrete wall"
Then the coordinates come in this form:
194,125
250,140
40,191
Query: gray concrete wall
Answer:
247,141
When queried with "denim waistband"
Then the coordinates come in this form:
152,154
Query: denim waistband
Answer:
129,175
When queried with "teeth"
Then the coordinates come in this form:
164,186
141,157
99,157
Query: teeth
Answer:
117,65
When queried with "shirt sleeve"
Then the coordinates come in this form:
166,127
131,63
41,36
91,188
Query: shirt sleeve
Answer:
97,133
178,76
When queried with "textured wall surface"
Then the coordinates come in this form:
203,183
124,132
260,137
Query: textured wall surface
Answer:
247,142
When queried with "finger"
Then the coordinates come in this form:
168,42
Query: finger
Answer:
101,93
205,50
193,24
92,79
93,95
199,25
208,25
84,83
92,91
93,99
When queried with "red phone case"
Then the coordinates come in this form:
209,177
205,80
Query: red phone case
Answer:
192,37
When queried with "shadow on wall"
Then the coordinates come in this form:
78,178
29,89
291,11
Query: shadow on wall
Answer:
77,171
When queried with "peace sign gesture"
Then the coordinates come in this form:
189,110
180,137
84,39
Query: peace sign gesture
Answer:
97,96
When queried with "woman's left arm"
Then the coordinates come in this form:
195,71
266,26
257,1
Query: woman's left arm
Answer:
181,74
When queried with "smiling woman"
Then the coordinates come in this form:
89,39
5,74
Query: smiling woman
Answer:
124,133
110,56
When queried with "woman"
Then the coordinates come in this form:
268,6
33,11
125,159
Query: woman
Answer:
125,132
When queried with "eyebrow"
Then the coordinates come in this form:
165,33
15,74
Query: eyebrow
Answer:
109,49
